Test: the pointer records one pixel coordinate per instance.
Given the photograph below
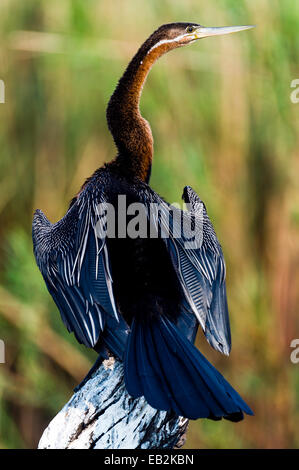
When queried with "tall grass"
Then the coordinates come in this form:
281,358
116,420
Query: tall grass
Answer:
223,122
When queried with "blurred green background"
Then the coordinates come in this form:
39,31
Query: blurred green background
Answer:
223,122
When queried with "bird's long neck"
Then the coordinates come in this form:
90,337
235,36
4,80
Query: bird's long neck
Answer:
131,132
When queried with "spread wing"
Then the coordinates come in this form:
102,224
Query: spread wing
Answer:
198,261
73,258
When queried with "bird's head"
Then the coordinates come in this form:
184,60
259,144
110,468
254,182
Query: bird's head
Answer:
173,35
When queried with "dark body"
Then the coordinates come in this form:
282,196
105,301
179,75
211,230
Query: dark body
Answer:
144,281
142,299
144,264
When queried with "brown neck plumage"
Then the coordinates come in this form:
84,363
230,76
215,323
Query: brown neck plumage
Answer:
131,132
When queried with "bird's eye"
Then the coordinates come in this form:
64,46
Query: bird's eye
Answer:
190,29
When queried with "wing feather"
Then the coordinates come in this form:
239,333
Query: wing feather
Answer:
198,260
74,262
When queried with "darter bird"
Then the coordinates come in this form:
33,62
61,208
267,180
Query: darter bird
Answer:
141,298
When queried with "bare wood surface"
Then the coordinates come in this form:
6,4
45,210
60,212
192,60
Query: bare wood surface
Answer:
102,415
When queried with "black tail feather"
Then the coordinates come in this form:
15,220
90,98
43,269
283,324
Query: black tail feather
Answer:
171,373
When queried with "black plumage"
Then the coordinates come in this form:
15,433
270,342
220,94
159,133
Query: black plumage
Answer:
142,298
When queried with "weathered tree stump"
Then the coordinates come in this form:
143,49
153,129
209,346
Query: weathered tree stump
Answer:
102,415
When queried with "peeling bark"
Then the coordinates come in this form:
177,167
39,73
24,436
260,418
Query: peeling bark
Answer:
102,415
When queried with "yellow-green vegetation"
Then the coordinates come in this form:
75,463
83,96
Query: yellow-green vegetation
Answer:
222,121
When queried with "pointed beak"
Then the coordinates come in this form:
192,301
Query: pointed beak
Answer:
203,32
